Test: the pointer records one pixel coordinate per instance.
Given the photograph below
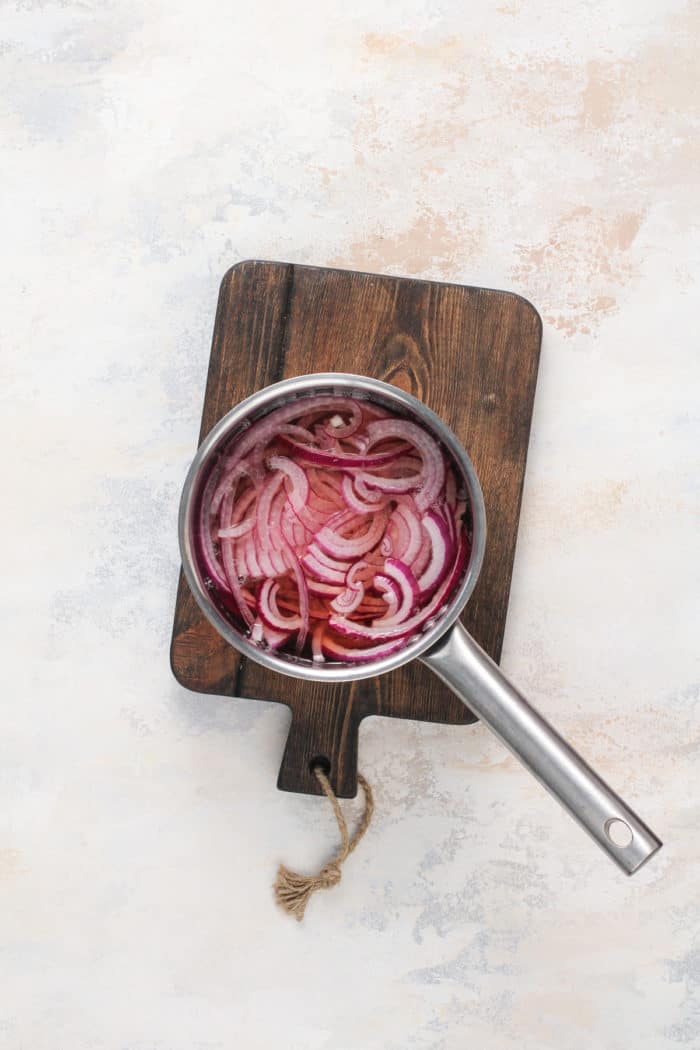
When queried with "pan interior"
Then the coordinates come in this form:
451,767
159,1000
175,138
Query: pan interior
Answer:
224,437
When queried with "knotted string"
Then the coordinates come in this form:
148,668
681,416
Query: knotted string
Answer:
292,890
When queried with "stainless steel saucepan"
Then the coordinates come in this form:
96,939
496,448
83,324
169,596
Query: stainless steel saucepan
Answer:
445,647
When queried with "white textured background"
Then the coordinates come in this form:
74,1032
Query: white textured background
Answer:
547,147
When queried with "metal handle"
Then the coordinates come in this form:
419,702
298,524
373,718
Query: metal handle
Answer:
477,680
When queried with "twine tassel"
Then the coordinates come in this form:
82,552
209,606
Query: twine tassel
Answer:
293,891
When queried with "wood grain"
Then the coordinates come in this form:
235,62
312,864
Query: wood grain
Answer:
471,354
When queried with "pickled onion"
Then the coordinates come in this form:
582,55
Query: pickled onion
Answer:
333,529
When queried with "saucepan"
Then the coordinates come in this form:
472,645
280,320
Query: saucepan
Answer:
443,644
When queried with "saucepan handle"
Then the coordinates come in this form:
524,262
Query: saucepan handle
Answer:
477,680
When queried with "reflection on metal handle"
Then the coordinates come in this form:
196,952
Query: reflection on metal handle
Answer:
477,680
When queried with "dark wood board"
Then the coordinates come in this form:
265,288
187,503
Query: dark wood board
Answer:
471,354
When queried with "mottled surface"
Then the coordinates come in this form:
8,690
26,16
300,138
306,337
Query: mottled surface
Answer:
551,148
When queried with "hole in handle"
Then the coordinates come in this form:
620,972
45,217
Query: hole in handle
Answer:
619,833
320,762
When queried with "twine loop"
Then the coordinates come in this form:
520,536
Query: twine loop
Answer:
292,890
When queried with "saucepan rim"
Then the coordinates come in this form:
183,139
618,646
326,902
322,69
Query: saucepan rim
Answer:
258,404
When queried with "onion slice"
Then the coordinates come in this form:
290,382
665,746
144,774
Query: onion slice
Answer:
433,463
353,547
407,589
442,549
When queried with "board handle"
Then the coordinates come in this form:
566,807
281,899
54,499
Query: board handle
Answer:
325,734
476,679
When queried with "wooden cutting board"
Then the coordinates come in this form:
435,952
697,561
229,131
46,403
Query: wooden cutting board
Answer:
471,354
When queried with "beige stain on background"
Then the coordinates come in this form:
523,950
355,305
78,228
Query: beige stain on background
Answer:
535,91
445,128
574,275
11,863
433,128
593,508
432,242
651,91
629,118
401,47
602,95
368,140
429,240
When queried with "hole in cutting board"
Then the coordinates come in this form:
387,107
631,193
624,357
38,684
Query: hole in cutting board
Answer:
320,762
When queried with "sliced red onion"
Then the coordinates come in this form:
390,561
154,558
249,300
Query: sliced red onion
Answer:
389,590
405,513
371,411
211,566
326,485
433,463
321,508
359,443
323,590
226,482
340,547
338,460
384,632
403,467
371,607
420,562
322,439
277,539
267,569
325,559
293,532
275,639
408,591
242,562
390,485
338,428
360,572
441,551
348,600
320,522
370,495
333,649
234,582
302,534
262,432
267,428
310,516
268,491
297,433
355,502
235,531
249,597
238,512
278,560
253,558
320,571
269,611
208,530
300,579
299,490
447,516
317,643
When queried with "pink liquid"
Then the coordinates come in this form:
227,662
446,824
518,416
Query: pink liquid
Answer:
333,530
